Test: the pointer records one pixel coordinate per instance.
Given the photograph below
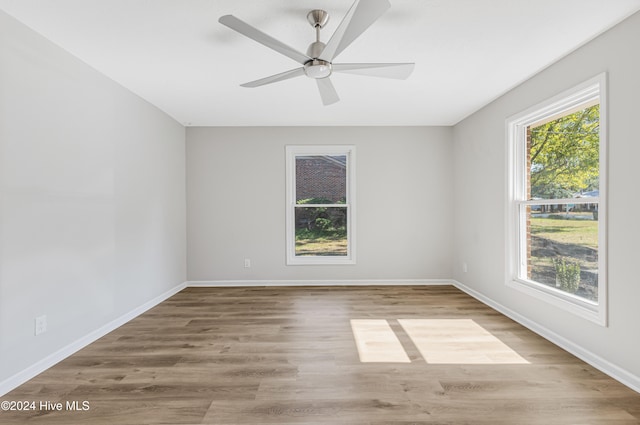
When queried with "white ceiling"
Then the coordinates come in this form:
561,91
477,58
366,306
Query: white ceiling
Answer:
176,55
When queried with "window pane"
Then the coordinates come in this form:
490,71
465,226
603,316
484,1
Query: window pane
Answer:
563,156
321,179
562,250
321,231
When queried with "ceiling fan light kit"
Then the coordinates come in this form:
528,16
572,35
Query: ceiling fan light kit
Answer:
317,63
317,68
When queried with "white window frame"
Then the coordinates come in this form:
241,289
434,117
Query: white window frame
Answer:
593,89
314,150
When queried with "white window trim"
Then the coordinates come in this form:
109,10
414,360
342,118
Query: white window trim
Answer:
515,131
300,150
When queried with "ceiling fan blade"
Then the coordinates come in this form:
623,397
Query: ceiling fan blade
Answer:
360,17
275,78
398,71
262,38
327,91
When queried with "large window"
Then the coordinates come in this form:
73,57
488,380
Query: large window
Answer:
320,204
557,208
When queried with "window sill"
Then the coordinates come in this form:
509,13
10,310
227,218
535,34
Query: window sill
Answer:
311,261
585,309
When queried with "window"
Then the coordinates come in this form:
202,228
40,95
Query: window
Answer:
556,212
320,204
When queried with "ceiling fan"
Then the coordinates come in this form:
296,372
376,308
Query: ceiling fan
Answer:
317,63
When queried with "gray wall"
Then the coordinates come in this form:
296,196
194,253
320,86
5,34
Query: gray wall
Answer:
479,188
236,202
92,199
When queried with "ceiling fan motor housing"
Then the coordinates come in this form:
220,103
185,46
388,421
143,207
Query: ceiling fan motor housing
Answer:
315,49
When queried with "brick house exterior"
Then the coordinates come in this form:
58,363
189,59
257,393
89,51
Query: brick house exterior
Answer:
321,177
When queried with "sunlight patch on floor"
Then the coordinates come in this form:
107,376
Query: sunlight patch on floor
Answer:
377,342
458,341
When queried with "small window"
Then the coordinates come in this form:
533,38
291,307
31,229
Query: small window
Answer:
320,205
557,220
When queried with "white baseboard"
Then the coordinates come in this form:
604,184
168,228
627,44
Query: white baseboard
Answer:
625,377
305,282
56,357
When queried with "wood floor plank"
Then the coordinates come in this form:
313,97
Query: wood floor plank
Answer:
289,356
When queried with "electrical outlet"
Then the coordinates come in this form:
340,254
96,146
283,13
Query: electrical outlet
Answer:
247,263
464,267
40,324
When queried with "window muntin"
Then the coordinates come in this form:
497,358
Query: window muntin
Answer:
556,211
320,193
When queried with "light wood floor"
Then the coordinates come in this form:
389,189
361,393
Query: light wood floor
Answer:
289,356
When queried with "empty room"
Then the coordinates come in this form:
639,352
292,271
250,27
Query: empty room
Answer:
357,212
